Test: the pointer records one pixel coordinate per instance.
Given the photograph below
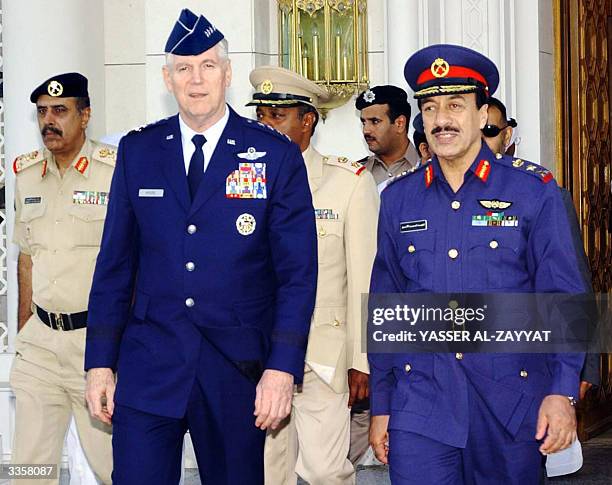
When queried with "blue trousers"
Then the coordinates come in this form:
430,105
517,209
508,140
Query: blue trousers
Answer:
228,447
490,457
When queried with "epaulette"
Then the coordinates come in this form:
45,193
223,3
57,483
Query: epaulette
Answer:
106,154
147,126
27,160
405,173
345,163
268,129
533,169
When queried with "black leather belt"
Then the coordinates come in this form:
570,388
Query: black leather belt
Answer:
62,321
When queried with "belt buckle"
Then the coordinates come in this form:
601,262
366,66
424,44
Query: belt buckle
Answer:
59,321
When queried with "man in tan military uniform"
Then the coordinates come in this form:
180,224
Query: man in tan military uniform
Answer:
385,118
313,443
61,194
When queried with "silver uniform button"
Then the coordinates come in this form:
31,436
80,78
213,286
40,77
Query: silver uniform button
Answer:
191,228
189,302
524,374
453,253
407,367
455,204
190,266
459,356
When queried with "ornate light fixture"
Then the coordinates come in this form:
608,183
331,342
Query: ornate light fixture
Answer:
326,41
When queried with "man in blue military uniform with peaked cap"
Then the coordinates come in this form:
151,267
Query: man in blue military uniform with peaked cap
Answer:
205,282
470,418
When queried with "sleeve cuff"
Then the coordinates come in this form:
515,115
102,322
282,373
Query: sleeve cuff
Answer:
380,403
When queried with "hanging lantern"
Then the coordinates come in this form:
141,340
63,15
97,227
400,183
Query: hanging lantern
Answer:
326,42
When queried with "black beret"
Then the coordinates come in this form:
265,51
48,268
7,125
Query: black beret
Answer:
68,85
386,94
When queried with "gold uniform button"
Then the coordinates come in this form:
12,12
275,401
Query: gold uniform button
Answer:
453,253
322,232
336,322
411,249
523,373
190,266
407,367
189,302
494,244
459,356
456,205
191,229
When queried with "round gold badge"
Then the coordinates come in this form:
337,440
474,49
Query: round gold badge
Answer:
439,67
246,224
267,86
55,89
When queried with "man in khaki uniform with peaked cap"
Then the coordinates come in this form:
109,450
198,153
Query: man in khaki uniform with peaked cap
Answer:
61,194
313,442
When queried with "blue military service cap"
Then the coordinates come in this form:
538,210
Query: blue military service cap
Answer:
450,69
67,85
417,124
192,35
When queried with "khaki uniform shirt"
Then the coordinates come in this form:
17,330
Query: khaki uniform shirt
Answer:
346,208
59,222
383,172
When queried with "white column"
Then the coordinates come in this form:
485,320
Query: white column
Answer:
42,38
402,40
527,77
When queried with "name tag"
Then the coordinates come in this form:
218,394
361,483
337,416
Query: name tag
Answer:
413,226
32,200
151,193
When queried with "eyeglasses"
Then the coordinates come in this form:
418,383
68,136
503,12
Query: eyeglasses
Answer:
491,131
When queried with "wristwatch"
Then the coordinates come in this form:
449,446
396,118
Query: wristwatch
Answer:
572,401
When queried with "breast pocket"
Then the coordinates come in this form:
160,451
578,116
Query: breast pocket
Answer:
87,224
32,217
494,259
417,258
330,235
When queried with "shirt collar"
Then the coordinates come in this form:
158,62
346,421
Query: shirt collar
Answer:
81,163
481,167
212,134
411,156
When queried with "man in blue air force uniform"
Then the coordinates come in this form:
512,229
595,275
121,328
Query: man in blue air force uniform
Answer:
470,418
205,283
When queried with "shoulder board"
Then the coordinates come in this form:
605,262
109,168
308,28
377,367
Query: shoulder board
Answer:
27,160
147,126
407,172
267,129
105,153
533,169
355,167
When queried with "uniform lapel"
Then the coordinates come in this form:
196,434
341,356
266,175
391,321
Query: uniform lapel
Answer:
314,167
222,163
173,164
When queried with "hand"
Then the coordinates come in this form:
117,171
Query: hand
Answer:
556,421
273,398
584,387
379,437
358,386
100,393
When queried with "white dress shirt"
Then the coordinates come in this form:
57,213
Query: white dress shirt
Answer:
212,136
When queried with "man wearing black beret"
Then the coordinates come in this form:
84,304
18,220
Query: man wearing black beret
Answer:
61,194
385,117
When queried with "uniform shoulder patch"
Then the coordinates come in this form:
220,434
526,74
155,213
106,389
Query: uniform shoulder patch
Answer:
27,160
530,168
147,126
267,129
406,173
355,167
105,153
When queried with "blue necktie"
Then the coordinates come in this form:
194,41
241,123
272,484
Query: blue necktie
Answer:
195,173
